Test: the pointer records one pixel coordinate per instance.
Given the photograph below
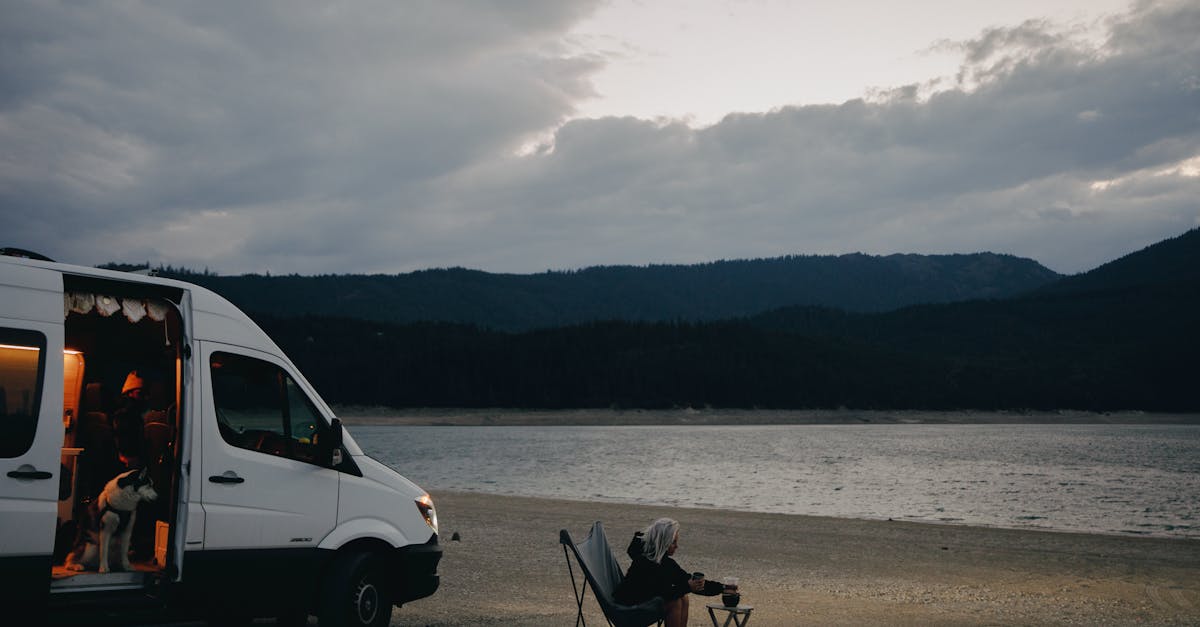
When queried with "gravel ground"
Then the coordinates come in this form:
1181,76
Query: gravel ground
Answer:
508,569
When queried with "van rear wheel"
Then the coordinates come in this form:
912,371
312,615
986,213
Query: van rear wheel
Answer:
355,594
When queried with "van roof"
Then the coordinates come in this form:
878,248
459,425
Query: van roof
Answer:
213,317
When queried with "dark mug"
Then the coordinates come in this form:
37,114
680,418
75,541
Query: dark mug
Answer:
697,576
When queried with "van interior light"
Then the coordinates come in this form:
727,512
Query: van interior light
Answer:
71,351
20,348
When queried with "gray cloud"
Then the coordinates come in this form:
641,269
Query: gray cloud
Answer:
307,137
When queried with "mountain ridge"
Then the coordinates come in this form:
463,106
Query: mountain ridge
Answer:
698,292
1171,260
1124,344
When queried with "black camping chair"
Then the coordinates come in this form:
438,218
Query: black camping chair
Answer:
601,570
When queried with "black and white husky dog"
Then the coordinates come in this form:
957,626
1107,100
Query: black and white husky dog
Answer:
104,537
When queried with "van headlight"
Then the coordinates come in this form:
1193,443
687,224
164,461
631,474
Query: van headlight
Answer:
425,504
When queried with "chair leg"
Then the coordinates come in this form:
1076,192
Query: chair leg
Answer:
579,594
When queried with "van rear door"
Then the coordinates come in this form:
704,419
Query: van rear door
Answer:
31,427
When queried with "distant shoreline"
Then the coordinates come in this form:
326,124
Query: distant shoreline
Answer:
358,415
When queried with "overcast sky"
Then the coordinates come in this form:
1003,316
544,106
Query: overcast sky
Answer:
520,136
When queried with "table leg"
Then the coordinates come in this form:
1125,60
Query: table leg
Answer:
730,617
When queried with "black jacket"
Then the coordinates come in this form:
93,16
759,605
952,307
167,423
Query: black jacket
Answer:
646,580
127,425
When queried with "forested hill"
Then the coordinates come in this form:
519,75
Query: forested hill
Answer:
711,291
1174,260
1129,343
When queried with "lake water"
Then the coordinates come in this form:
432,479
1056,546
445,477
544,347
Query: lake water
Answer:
1122,479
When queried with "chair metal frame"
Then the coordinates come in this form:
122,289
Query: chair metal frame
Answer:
615,614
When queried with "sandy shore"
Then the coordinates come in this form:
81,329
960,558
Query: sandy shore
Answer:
508,569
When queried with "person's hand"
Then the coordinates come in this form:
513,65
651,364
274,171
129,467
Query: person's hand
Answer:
697,585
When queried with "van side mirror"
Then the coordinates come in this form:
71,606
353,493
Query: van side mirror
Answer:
333,442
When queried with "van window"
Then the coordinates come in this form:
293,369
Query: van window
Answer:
260,408
22,362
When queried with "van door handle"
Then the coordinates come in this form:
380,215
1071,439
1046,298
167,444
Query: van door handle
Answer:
29,474
226,479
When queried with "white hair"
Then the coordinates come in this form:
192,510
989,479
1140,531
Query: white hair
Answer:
658,537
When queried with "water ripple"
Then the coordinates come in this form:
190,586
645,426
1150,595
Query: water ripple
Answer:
1135,479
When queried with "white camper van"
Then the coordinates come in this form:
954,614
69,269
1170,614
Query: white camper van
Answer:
265,507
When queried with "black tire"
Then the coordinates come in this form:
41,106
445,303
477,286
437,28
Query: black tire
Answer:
355,594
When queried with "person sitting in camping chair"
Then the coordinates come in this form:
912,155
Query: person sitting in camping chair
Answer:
654,573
